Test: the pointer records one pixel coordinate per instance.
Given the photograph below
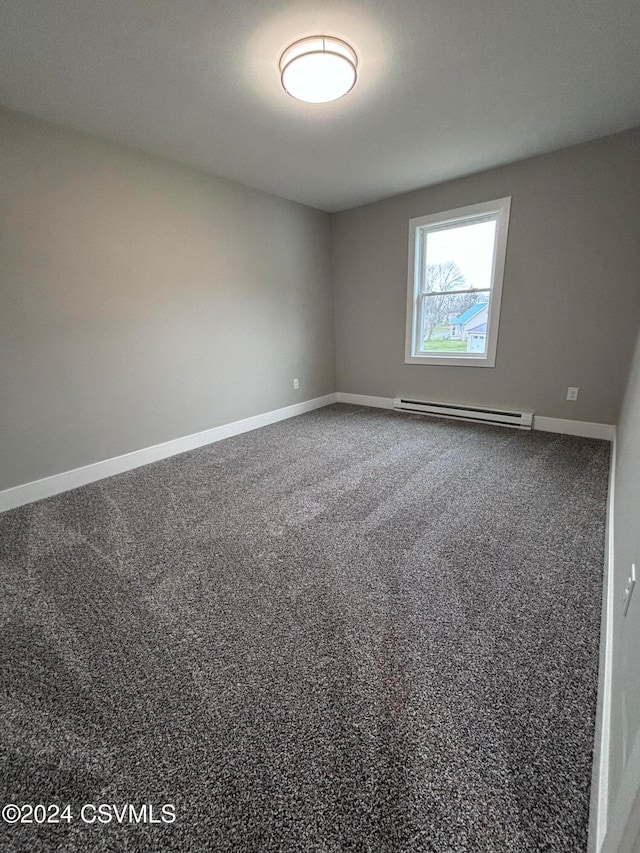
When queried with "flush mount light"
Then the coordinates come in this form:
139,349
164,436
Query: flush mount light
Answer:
318,69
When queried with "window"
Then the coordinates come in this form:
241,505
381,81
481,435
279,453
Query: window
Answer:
456,266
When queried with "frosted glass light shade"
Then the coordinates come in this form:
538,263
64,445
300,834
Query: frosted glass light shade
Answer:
318,69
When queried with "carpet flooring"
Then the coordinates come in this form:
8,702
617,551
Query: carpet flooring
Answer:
354,630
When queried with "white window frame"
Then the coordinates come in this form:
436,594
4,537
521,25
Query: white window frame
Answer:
420,226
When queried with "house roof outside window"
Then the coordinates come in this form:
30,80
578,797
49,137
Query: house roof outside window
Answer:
469,313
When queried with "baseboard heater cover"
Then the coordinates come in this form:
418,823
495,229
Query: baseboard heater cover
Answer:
517,420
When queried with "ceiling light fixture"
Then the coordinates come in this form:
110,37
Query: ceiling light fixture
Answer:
318,69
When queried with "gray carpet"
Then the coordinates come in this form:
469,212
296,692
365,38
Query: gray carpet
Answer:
353,630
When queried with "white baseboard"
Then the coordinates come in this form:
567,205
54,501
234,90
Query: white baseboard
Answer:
567,427
600,777
623,827
49,486
614,824
586,429
364,400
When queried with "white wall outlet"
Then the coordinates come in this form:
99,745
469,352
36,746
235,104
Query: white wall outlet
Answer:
572,393
296,384
628,590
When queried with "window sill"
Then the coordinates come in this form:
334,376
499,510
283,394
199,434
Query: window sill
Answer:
451,361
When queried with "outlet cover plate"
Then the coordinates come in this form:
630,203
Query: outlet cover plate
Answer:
628,590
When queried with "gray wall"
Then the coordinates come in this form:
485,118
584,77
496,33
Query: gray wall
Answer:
624,762
141,300
571,299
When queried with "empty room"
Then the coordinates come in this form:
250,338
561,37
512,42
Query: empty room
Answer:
320,426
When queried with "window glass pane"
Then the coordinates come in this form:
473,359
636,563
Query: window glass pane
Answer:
459,257
451,323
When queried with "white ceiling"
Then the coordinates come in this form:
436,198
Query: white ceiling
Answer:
446,87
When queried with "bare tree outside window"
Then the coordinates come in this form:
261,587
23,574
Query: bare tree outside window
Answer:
440,302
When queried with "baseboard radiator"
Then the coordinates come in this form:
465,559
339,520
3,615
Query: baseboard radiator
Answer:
517,420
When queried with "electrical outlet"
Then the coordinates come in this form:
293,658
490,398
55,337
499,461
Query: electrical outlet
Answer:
628,590
296,384
572,393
